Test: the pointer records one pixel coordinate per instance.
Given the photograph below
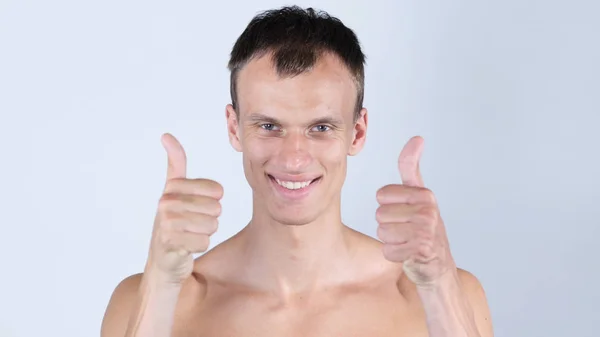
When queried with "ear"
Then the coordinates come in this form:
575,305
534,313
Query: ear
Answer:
233,128
359,133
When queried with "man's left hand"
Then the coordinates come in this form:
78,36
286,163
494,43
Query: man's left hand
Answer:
410,225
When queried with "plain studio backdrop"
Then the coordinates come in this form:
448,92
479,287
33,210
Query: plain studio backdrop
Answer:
506,95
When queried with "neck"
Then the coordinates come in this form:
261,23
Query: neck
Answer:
292,259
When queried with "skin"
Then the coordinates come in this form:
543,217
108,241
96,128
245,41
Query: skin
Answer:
296,269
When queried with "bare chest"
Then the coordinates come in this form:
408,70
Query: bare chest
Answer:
353,315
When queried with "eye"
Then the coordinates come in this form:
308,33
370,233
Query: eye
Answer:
269,126
321,128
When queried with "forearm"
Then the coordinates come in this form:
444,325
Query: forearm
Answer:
154,310
447,309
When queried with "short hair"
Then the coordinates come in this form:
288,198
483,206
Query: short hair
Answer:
296,38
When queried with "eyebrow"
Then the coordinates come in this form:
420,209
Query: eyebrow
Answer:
258,117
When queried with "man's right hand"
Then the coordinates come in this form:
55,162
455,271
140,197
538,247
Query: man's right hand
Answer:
144,304
187,216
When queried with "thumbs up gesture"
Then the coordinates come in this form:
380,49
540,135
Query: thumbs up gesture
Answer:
410,225
186,217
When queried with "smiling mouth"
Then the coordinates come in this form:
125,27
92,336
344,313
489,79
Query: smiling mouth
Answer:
293,185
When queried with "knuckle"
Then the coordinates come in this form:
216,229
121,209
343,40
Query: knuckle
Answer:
394,233
217,208
169,219
425,249
384,192
392,253
428,214
428,195
388,251
381,213
213,225
167,201
380,194
382,233
207,205
212,186
424,235
219,190
203,243
208,187
203,224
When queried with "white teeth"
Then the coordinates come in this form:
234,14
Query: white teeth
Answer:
293,185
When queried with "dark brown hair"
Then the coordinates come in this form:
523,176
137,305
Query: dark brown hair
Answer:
296,38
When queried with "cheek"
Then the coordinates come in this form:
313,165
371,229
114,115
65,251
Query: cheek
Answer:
333,152
257,151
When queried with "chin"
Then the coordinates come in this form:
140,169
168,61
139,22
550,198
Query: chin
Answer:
293,215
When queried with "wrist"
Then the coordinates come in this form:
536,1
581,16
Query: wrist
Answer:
449,280
160,281
446,306
155,306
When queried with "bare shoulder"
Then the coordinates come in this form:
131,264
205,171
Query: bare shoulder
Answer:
470,282
126,296
219,261
476,295
371,262
120,305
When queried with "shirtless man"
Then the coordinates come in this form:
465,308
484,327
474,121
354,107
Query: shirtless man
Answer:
296,269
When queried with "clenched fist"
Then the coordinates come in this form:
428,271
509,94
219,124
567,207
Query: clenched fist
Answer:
410,225
187,215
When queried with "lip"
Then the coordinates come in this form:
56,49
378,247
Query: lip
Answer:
294,194
293,177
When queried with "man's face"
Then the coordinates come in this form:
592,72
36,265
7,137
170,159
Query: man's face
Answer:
295,135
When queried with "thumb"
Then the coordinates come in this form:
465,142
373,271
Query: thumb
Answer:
408,162
177,161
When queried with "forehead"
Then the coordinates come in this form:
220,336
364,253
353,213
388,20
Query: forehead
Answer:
328,85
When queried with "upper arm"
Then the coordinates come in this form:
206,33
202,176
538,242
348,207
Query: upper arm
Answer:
120,305
478,300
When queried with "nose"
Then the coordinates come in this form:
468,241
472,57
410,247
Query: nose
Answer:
295,153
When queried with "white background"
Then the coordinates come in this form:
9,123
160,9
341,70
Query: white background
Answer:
505,93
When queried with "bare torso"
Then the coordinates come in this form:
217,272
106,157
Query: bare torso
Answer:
379,302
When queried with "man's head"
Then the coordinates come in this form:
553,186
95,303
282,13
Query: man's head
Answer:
297,81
